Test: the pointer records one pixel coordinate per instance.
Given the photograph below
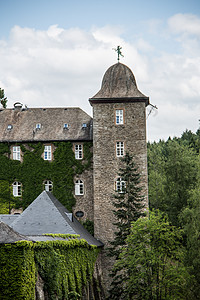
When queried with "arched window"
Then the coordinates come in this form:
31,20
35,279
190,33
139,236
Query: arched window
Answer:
48,185
120,185
79,187
17,189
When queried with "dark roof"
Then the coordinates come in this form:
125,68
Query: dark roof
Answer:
47,215
23,124
119,85
8,235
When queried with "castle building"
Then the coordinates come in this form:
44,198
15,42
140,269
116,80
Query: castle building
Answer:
118,126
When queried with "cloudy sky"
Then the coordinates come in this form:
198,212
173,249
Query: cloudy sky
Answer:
55,53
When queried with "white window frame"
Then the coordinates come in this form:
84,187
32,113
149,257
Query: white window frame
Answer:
120,185
79,188
17,189
48,185
78,151
16,153
119,116
47,152
119,149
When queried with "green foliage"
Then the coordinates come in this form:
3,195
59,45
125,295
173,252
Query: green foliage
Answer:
17,271
65,267
172,167
152,261
34,170
3,99
190,222
63,236
128,206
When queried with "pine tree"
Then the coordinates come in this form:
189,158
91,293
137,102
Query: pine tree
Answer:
3,99
128,207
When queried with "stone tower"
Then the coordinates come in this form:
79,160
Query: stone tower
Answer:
119,125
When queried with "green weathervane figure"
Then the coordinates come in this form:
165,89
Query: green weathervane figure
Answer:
118,50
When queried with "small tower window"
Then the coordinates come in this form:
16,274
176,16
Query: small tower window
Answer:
119,116
79,187
120,185
119,149
79,151
47,152
48,185
17,189
84,125
16,153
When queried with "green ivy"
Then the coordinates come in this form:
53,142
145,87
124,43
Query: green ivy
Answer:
34,170
65,267
17,271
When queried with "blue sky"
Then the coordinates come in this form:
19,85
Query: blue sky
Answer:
55,52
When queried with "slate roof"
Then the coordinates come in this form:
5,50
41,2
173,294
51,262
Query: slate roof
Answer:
119,85
23,124
8,235
47,215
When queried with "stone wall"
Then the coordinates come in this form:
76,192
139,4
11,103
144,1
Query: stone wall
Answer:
106,164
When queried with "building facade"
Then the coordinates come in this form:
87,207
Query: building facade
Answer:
79,156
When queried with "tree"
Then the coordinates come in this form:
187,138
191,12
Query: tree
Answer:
181,177
191,224
153,260
3,99
128,207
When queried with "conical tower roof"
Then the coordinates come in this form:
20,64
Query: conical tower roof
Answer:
119,85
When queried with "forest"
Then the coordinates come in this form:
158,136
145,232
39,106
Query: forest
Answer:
174,189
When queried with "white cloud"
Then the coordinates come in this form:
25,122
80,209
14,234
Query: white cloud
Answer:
185,24
64,67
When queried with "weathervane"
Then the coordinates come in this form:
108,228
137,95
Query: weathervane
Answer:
118,50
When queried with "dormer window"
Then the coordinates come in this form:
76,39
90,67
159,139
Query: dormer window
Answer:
66,126
38,126
9,127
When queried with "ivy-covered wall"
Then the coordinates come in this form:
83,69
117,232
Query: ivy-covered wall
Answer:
33,170
64,266
17,271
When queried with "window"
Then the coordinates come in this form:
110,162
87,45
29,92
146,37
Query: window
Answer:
16,152
79,187
17,189
48,185
9,127
78,151
119,116
38,126
120,185
47,152
84,125
119,149
66,126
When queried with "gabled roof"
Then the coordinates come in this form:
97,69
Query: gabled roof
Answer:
19,125
47,215
8,235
